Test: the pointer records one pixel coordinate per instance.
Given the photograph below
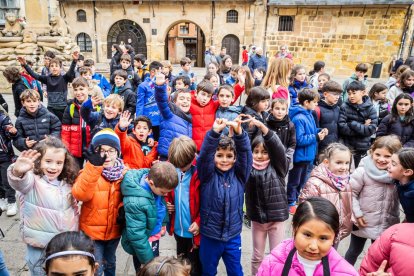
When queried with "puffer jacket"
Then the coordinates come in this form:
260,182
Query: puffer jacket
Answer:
383,109
127,94
329,116
266,199
101,201
306,134
273,264
6,146
35,127
140,214
286,131
76,134
406,196
374,197
174,122
344,97
352,128
294,90
320,185
146,104
45,209
253,130
202,118
222,193
405,131
17,89
396,245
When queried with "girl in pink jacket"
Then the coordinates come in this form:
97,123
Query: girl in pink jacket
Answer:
310,252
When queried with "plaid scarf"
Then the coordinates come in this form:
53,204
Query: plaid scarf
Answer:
340,181
114,173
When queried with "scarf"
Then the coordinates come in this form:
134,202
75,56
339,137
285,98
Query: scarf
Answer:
260,165
373,172
114,173
340,181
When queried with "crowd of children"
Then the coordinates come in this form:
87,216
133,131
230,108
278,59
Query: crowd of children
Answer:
149,153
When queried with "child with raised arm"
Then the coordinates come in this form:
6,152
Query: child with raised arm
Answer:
56,83
223,166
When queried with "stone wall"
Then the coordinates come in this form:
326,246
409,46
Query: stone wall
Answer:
340,37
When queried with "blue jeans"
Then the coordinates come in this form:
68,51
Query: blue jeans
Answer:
33,260
105,256
212,250
3,268
296,181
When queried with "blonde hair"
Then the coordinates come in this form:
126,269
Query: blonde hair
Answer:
167,63
29,94
166,266
330,150
278,73
115,100
390,142
182,151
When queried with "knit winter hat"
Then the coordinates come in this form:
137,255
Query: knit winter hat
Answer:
106,137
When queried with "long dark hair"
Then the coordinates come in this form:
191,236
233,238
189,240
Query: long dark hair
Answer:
256,95
409,116
316,208
317,66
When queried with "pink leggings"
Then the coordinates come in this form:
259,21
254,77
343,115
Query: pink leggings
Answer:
260,231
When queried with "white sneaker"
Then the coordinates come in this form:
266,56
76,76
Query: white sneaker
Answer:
3,204
11,209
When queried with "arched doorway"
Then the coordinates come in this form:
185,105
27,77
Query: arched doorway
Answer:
129,32
232,44
185,39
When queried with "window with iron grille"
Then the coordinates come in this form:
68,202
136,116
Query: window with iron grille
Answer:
232,16
185,29
81,16
84,42
286,23
6,6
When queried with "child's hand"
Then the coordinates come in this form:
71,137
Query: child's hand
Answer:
321,135
21,60
124,120
381,270
30,143
241,74
263,128
361,222
367,122
94,157
11,129
45,94
219,125
25,162
75,55
160,79
257,74
236,125
170,208
151,142
96,101
194,229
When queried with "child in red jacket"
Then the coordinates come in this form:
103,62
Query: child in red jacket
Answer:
183,203
203,111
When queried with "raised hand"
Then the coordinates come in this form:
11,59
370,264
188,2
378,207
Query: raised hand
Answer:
236,125
124,120
75,55
21,60
94,157
263,128
96,100
25,162
219,125
241,74
30,143
160,79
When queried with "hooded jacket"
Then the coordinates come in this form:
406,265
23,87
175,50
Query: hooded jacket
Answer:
320,185
273,264
45,209
266,199
352,128
294,90
256,62
36,126
174,122
146,104
395,245
329,116
127,95
306,133
374,197
405,131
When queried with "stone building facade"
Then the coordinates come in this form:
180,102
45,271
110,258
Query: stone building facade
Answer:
342,33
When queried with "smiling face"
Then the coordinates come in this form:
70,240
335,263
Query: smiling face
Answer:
183,101
31,105
225,98
314,239
260,154
300,75
403,105
80,93
111,111
142,131
339,162
70,266
398,172
279,111
224,159
381,158
52,163
203,98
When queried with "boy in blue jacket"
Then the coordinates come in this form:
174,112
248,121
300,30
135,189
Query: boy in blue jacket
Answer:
307,136
146,104
176,119
223,166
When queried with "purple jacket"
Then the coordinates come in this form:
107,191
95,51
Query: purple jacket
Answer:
274,262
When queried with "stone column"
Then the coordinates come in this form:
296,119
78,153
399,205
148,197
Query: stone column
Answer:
37,16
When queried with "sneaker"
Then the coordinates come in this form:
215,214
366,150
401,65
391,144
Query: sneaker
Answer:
11,209
3,204
292,209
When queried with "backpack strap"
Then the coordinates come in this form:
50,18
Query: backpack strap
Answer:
72,110
289,259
